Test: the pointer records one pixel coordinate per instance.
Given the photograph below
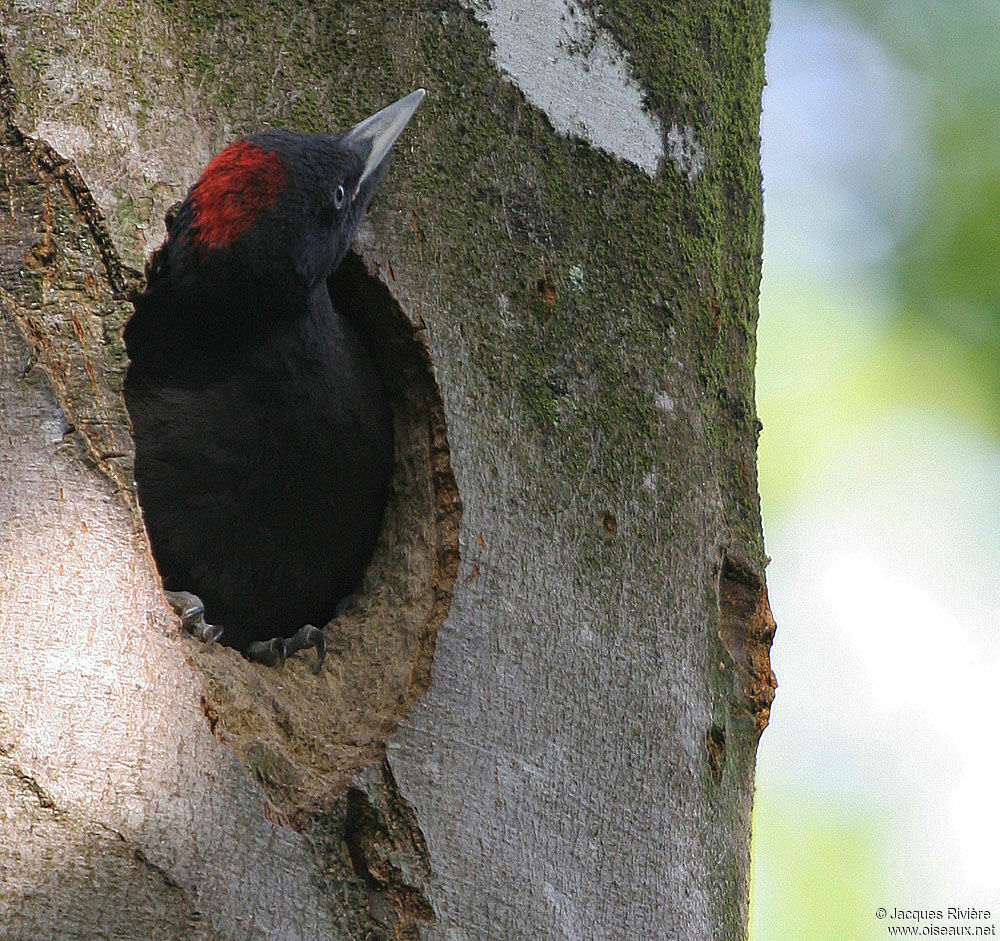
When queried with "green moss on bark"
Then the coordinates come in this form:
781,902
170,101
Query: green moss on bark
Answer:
592,326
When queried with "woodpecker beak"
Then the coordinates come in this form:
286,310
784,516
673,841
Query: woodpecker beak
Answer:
377,134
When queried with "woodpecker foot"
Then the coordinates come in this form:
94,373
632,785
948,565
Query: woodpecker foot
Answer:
272,653
308,636
277,650
192,615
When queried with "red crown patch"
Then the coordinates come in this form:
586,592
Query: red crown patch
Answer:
236,186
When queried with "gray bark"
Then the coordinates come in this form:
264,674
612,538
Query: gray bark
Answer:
540,718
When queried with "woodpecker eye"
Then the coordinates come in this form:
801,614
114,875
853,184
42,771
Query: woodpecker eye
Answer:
338,197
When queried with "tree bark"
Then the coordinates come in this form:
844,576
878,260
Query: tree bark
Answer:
540,717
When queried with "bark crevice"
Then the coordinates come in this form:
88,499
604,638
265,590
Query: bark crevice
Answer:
388,852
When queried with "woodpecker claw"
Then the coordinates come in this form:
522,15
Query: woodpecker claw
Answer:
192,614
308,636
272,653
209,634
188,606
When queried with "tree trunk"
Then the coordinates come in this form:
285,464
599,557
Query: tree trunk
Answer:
539,718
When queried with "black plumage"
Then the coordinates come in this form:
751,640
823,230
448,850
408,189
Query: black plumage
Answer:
262,429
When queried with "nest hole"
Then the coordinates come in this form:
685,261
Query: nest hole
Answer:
326,728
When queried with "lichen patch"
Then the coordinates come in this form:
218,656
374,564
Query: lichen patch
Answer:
576,73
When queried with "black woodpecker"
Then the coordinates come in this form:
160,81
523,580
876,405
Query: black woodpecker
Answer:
263,435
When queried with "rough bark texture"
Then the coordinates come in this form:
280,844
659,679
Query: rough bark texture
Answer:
552,737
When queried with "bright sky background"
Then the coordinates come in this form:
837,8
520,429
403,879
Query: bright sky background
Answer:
879,776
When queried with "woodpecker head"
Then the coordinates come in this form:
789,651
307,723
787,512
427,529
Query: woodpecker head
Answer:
280,209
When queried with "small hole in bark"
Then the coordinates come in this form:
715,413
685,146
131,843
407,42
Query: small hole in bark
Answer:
715,743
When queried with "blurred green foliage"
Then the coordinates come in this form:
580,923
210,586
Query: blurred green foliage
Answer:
892,367
946,269
816,874
831,362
